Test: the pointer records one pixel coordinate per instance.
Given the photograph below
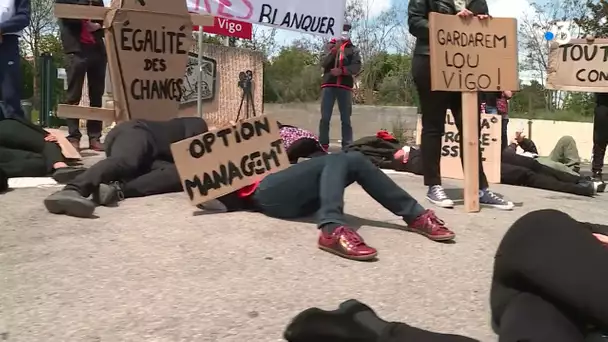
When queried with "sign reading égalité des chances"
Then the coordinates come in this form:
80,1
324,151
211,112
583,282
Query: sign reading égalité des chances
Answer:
472,54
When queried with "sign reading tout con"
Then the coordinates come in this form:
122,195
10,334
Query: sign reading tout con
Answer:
219,162
578,66
473,55
318,17
489,144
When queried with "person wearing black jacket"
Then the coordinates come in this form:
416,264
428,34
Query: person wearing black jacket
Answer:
85,52
434,104
548,285
340,61
600,134
139,163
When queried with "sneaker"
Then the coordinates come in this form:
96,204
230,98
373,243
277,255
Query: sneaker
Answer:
75,143
346,243
108,194
438,197
599,186
69,202
96,145
597,176
489,198
429,225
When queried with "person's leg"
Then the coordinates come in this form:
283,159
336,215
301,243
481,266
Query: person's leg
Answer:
566,152
542,181
328,99
344,168
20,163
163,178
433,105
600,140
536,165
491,110
76,69
550,254
96,80
15,134
504,138
546,161
531,318
344,98
11,81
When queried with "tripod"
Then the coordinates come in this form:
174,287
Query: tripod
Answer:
245,83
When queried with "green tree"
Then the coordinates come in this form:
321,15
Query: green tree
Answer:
593,21
293,75
581,103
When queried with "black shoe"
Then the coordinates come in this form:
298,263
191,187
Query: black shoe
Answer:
71,203
316,325
66,174
108,194
599,186
597,176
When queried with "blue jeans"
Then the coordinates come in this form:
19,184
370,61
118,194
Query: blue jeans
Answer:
317,186
344,97
491,110
10,76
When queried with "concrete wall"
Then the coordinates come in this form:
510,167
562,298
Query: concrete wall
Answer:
366,120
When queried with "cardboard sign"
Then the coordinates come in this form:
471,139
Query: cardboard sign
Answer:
208,80
473,55
318,17
67,149
578,66
222,161
152,56
229,28
489,143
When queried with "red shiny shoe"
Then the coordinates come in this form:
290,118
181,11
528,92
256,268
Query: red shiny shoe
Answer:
429,225
346,243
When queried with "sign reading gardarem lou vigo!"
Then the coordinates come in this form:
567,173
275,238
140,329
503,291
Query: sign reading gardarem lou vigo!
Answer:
473,54
580,65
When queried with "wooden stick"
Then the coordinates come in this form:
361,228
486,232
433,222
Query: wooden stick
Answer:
118,90
470,146
86,113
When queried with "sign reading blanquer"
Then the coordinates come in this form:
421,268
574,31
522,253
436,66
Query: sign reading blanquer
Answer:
152,54
318,17
472,54
578,66
222,161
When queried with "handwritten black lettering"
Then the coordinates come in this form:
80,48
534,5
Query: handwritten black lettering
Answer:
451,138
584,75
471,39
304,22
256,163
155,41
470,80
155,64
576,52
459,60
165,89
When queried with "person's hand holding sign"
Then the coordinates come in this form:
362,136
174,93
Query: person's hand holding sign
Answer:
465,13
484,16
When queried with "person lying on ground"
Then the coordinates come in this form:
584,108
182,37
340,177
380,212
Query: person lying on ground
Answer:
27,150
382,147
317,186
139,163
548,285
300,143
564,156
515,169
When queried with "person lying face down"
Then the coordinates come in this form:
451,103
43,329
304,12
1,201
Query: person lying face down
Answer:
548,285
138,163
27,150
317,186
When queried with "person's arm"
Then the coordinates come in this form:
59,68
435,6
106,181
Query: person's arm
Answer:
20,20
417,18
355,64
328,56
528,145
596,228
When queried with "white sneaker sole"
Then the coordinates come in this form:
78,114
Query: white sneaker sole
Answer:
508,206
442,204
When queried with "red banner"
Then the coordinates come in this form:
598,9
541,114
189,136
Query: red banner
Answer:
229,28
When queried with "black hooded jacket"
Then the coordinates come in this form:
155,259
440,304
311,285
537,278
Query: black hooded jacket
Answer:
418,18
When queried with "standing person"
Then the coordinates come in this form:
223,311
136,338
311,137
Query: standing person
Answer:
341,61
14,17
498,103
85,51
600,134
434,104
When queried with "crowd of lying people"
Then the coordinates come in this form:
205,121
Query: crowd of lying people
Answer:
539,265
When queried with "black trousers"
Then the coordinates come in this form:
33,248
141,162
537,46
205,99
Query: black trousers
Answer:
525,171
130,160
23,151
434,105
549,280
600,137
90,62
317,186
10,77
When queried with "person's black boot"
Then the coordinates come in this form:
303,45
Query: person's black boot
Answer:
352,322
597,176
108,195
69,202
65,175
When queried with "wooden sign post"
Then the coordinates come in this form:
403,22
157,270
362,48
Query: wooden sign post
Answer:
579,65
469,56
147,44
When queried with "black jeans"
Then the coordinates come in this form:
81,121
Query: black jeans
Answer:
504,136
90,62
10,76
161,178
434,105
317,185
537,293
600,137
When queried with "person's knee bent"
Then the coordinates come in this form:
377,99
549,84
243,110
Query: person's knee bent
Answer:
567,139
536,228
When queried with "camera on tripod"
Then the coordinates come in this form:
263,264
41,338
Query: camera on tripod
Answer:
245,79
245,83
